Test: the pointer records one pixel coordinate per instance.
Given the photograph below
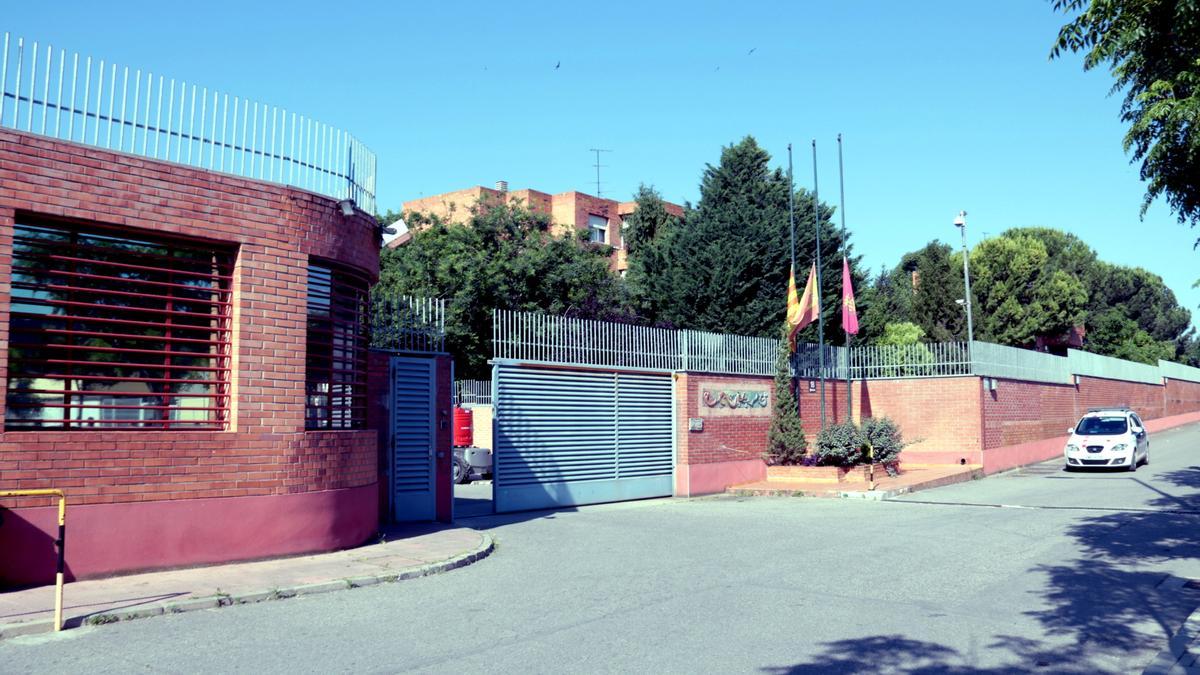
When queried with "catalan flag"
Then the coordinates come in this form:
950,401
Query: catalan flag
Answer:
804,311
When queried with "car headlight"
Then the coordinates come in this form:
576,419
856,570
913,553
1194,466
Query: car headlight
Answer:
1071,447
1119,447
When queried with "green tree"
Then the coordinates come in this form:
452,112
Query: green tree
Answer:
503,258
724,267
648,219
901,349
785,440
1114,334
901,334
889,297
386,219
1142,296
1152,50
935,298
1018,295
1134,293
649,238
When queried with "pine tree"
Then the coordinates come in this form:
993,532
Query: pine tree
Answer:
935,298
785,441
724,268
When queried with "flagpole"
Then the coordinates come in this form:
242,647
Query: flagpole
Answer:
792,232
846,257
821,310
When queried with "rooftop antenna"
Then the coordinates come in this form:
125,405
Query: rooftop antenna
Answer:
598,166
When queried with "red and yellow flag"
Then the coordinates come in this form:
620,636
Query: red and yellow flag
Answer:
803,311
849,311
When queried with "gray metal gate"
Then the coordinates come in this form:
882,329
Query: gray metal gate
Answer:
412,438
571,437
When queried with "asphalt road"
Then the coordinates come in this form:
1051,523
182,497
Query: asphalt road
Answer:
1037,570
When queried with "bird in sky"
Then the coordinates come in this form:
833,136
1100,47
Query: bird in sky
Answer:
557,65
751,51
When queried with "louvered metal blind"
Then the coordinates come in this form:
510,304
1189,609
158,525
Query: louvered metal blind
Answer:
112,331
336,370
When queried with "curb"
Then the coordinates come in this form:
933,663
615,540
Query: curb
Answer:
868,495
486,547
1182,654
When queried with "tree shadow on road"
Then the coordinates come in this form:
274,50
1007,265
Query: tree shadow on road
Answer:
898,654
1185,478
1108,609
1116,596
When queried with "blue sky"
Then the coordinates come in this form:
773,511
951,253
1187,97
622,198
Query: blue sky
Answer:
943,105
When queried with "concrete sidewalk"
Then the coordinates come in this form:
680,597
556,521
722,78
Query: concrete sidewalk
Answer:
913,479
402,553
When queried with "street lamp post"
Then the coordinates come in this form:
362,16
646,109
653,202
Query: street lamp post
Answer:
961,223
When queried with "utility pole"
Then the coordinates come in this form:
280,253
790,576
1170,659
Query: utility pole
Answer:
961,223
598,165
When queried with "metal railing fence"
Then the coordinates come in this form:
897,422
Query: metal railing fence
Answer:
405,323
721,353
61,95
542,338
473,392
528,336
1178,371
1095,365
991,360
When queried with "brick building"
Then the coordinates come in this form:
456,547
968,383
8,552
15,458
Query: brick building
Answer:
183,314
601,218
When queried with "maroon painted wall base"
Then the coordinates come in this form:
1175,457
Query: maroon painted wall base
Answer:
105,539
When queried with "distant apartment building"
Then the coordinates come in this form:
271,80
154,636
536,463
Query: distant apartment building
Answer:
602,218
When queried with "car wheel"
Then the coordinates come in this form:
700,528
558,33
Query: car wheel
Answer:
1133,462
1146,457
462,471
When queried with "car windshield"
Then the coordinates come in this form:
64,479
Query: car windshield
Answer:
1101,426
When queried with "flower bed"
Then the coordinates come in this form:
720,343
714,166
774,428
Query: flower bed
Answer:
826,474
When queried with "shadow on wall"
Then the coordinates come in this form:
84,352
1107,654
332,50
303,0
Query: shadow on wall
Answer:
1105,606
863,410
28,544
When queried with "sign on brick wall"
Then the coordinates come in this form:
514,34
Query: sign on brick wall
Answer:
735,399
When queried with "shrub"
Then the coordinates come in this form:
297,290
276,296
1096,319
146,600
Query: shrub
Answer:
847,445
883,437
840,445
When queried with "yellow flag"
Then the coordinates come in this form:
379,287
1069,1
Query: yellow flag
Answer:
806,309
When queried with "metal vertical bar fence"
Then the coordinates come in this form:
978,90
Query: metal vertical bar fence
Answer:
101,107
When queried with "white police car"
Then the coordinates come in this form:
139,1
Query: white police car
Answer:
1112,437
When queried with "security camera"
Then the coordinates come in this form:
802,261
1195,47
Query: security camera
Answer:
347,206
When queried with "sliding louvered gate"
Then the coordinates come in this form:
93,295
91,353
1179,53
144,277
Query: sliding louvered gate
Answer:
572,437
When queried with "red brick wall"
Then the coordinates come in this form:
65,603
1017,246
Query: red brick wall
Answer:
276,229
939,417
1181,397
942,419
1019,412
1145,399
725,437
